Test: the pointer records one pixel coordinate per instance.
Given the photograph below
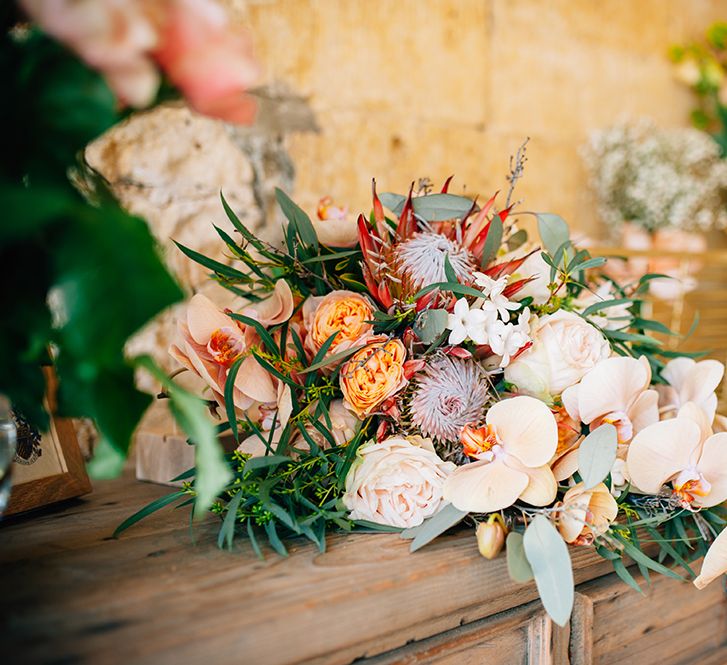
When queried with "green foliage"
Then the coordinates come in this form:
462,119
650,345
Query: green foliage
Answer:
98,265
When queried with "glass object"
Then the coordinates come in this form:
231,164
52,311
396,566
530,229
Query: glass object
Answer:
8,442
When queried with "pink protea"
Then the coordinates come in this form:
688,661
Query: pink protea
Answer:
449,393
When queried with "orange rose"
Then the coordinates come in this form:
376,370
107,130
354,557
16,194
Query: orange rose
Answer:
345,312
372,375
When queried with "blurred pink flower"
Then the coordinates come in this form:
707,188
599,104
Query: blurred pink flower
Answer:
210,63
127,41
113,36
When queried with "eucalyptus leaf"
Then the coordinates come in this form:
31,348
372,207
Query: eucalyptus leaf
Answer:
436,525
432,207
517,563
548,556
517,239
493,241
553,230
430,324
596,455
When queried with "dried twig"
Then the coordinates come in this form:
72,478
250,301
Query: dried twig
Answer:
517,168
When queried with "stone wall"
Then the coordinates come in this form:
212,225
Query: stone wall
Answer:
397,90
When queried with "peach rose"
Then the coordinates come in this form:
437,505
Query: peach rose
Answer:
345,312
397,482
372,375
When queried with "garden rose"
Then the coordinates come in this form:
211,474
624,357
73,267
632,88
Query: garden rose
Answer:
586,513
397,482
564,348
334,226
372,375
345,312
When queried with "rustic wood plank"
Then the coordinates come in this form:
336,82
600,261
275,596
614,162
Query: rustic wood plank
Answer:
165,594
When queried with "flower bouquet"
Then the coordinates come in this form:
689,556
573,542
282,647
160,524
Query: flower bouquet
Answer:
438,367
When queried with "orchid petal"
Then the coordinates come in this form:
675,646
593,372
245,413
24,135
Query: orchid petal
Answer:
483,487
700,382
713,465
644,411
715,562
204,317
276,309
660,451
677,370
252,445
566,466
611,386
572,517
694,413
527,429
542,486
255,382
570,402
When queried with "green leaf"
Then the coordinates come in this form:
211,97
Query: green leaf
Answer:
639,557
449,270
436,525
595,262
298,218
274,539
256,463
432,207
623,572
553,230
596,455
213,473
215,266
548,556
517,239
454,287
493,241
517,563
333,358
430,324
260,329
604,304
230,396
227,530
150,508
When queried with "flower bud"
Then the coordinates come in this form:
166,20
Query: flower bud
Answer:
490,538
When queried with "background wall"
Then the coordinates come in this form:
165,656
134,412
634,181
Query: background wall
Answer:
409,88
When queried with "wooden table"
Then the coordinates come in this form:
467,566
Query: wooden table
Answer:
163,593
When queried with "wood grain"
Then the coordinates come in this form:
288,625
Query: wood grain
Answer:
163,593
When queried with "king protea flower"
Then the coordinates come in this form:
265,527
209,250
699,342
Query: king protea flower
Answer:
449,394
398,263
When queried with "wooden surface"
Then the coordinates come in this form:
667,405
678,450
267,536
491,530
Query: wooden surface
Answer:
163,593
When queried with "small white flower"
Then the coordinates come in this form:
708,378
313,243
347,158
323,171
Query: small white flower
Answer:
506,339
466,323
493,288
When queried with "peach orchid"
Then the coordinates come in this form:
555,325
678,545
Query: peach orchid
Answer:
513,449
615,391
684,452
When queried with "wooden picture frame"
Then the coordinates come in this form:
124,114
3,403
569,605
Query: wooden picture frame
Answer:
67,480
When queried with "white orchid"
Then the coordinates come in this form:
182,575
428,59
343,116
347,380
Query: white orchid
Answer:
690,381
